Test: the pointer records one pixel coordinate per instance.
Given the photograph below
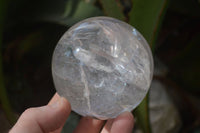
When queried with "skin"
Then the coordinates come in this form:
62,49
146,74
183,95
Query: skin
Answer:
52,117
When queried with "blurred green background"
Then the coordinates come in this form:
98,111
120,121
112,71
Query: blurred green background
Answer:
29,31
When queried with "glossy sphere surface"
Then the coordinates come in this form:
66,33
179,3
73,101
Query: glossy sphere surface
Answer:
103,66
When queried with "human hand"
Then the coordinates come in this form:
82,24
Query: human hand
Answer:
52,117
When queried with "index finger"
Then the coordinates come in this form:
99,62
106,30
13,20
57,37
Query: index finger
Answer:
55,98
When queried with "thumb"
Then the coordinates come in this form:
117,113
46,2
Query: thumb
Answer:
43,119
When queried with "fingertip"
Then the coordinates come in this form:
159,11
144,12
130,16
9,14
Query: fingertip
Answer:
89,125
54,99
60,103
65,106
127,116
55,115
123,123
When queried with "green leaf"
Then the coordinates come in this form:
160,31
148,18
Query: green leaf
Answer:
142,115
21,11
3,94
61,12
146,16
71,123
84,10
91,1
112,8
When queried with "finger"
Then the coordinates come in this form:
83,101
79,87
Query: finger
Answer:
59,130
122,124
43,119
89,125
54,99
107,126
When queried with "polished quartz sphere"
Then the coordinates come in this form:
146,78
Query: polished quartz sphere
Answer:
103,67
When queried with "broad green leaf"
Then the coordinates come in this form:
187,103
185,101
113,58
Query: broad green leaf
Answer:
70,8
3,94
61,12
84,10
142,114
34,10
71,123
146,16
112,8
90,1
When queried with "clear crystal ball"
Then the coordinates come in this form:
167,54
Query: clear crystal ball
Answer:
103,66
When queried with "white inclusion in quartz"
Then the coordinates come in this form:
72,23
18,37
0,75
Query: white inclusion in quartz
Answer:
103,66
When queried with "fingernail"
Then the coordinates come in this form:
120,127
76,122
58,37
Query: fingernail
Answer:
126,114
58,103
